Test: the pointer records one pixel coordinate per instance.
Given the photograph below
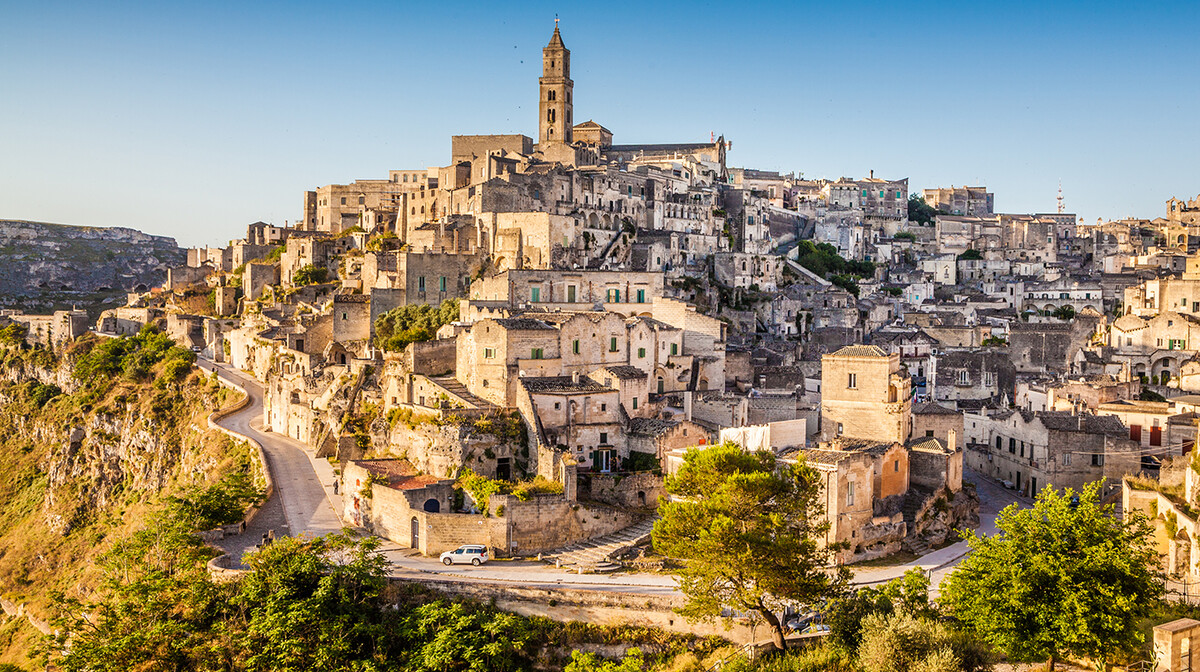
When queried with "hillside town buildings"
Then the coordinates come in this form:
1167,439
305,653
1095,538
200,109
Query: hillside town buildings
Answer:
609,306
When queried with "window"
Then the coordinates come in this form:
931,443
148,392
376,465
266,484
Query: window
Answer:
343,315
535,294
343,200
852,383
570,293
989,378
1097,460
641,296
896,466
642,352
635,403
1066,459
442,284
360,200
614,296
575,346
421,284
603,438
674,348
1012,446
612,344
929,433
850,493
557,405
840,429
964,377
535,353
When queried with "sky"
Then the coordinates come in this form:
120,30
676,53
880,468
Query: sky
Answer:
193,120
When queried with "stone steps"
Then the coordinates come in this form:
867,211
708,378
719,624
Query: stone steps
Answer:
594,554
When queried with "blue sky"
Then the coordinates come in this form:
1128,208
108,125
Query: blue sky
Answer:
193,120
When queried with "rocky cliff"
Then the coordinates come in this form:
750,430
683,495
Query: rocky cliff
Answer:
83,463
49,266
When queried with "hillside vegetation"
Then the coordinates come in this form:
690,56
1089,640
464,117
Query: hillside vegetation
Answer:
99,436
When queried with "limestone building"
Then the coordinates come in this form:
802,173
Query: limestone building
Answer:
865,395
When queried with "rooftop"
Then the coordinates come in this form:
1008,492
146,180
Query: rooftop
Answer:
562,385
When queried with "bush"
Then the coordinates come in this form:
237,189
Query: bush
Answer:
310,275
13,334
398,327
905,643
638,461
222,503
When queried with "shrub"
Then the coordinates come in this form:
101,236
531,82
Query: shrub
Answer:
310,275
398,327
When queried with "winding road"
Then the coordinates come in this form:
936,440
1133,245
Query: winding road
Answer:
305,503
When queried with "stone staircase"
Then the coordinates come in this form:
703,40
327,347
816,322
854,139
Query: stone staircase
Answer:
594,555
913,502
453,386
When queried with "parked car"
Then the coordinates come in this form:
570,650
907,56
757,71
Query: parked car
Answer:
476,555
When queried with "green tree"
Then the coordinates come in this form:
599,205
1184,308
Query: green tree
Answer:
970,255
1064,312
156,609
590,662
750,531
314,604
310,275
398,327
921,212
1062,578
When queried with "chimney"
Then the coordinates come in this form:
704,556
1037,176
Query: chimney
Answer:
952,440
872,173
575,377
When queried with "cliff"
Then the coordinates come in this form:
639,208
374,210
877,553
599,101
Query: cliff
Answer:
52,266
84,462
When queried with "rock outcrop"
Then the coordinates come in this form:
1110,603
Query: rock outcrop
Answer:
49,265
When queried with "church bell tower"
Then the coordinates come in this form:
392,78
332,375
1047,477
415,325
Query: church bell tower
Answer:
554,103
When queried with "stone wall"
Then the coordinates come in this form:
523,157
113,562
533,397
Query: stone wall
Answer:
593,606
633,491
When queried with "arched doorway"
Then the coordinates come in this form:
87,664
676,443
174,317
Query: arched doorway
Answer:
432,506
416,533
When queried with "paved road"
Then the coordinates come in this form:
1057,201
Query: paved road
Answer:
305,503
300,504
940,563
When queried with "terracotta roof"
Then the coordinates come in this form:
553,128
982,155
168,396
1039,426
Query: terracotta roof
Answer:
397,474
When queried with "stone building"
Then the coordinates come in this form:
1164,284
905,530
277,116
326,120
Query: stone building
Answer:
1033,450
968,201
865,395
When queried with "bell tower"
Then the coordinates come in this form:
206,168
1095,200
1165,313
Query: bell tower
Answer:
554,102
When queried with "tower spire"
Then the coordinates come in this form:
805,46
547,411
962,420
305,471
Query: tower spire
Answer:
1061,207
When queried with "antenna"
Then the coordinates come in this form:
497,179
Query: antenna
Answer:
1061,208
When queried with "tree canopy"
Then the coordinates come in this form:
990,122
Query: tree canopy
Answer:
1062,578
310,275
921,212
398,327
749,529
823,259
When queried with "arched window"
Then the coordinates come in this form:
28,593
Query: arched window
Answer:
550,115
550,95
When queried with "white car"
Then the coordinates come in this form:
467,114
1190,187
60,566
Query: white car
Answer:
476,555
